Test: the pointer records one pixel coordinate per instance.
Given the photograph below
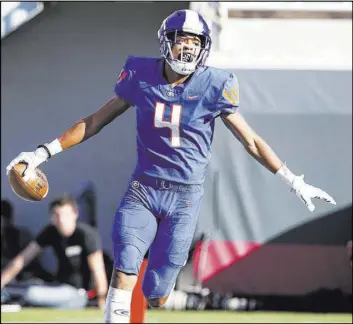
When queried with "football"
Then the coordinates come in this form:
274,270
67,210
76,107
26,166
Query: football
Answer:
35,189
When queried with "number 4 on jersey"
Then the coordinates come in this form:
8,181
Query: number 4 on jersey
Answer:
173,124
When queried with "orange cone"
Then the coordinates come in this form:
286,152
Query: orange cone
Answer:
138,302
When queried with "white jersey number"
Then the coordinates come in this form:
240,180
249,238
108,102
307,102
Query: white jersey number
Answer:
173,124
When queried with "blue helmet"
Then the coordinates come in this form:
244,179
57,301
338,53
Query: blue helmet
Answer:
189,22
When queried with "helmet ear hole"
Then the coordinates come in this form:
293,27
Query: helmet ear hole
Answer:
203,41
170,36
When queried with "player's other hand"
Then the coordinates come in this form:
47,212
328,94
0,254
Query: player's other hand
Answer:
32,159
306,192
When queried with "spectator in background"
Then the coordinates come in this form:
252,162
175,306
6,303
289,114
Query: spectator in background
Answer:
78,250
10,235
13,240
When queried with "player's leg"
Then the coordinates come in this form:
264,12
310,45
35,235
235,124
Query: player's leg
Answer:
133,232
169,251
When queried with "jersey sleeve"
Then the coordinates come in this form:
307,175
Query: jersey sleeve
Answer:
46,236
124,85
228,100
92,240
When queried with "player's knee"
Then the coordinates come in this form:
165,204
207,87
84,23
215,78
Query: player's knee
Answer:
150,283
157,302
153,286
127,258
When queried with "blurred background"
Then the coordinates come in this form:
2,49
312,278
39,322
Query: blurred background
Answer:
256,247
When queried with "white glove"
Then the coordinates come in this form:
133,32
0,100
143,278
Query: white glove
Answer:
32,159
303,190
306,192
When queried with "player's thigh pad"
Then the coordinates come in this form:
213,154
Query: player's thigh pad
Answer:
170,249
134,229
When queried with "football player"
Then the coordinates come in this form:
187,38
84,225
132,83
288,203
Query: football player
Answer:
177,99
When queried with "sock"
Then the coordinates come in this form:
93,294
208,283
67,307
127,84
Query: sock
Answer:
117,306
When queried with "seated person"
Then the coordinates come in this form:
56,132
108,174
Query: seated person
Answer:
78,250
13,240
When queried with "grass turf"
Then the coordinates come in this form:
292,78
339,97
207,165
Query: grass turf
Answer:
162,316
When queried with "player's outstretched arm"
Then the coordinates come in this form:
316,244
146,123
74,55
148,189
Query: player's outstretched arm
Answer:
263,153
78,133
93,124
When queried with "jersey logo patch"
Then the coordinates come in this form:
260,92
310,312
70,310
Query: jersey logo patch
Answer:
122,76
232,96
170,94
192,94
135,184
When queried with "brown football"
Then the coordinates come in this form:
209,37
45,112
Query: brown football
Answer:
35,189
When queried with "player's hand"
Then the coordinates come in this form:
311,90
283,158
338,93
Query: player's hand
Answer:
32,159
306,192
101,303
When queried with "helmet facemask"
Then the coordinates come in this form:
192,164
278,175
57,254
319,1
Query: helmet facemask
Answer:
190,56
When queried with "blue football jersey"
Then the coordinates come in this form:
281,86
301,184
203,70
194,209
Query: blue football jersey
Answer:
175,125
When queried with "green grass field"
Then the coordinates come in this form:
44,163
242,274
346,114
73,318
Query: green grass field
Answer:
37,315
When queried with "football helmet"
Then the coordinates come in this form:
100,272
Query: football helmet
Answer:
183,22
